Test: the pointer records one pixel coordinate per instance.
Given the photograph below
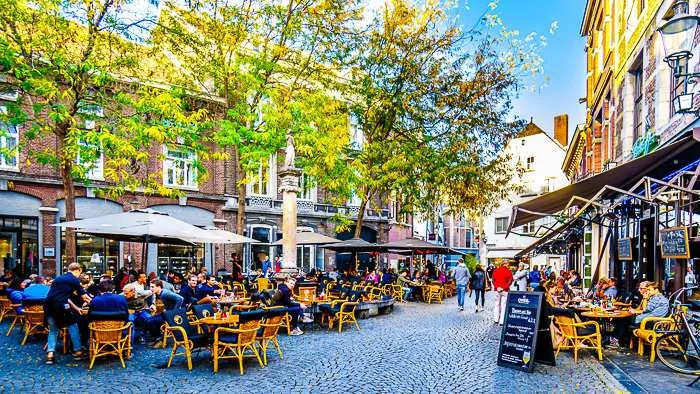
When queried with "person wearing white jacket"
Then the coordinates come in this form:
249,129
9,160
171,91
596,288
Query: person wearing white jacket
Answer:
520,278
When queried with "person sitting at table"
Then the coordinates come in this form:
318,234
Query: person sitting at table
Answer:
171,301
610,291
208,290
108,303
657,306
139,310
283,297
188,292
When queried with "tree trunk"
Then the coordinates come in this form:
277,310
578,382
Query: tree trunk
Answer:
69,190
360,218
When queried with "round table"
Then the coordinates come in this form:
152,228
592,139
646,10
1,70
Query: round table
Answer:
606,318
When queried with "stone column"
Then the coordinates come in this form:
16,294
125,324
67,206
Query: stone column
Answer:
289,186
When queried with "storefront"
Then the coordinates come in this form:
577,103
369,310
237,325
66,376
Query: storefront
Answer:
19,233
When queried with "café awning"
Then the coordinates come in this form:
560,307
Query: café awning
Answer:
656,164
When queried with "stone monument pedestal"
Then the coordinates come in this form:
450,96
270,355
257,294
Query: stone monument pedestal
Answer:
289,186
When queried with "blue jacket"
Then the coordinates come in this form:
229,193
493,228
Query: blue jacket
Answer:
36,293
171,300
109,303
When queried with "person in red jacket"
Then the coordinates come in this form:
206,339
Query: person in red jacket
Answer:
502,279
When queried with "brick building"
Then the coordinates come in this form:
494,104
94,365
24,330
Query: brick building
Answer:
32,200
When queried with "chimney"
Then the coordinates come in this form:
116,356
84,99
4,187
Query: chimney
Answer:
561,129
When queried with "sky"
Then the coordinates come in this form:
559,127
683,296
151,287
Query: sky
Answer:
564,56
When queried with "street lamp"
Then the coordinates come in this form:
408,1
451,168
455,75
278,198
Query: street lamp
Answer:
677,36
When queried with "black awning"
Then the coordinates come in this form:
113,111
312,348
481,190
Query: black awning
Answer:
656,164
547,237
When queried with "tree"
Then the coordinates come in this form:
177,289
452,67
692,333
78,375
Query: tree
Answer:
79,82
269,63
434,102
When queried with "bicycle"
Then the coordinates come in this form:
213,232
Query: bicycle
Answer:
679,346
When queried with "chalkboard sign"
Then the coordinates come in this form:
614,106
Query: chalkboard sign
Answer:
519,336
674,243
624,249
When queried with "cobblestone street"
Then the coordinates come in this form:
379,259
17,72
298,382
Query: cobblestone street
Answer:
417,348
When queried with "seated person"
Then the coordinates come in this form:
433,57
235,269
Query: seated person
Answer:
37,291
108,303
283,297
610,291
657,306
139,310
209,290
189,292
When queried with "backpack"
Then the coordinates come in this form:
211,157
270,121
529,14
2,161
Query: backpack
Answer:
534,276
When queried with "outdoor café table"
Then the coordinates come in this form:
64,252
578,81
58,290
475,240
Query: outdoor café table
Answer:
606,319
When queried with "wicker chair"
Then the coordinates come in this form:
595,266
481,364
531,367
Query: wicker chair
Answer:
17,321
184,336
435,293
234,342
344,315
270,329
109,338
34,321
6,309
585,335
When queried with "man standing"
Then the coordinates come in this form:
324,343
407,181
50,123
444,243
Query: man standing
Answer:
58,312
461,275
502,279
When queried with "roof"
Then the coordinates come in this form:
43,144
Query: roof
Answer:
657,164
529,130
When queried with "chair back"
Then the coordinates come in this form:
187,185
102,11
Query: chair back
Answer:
565,324
203,310
107,331
263,284
34,314
178,318
272,325
307,293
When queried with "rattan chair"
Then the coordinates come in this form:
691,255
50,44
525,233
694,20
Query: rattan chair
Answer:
17,321
435,293
34,321
6,309
109,338
234,342
270,329
344,315
585,335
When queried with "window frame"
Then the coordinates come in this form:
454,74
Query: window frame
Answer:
191,159
504,227
10,131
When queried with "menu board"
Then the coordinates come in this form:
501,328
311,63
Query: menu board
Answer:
674,243
519,336
624,249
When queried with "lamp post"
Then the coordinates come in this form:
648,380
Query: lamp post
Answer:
677,36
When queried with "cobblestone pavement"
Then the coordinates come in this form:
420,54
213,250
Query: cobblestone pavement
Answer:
418,348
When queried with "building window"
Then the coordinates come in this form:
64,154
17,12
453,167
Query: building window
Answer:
501,225
638,80
261,182
529,228
530,163
307,188
179,169
9,138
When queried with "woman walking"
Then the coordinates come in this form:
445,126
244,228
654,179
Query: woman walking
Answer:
478,284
